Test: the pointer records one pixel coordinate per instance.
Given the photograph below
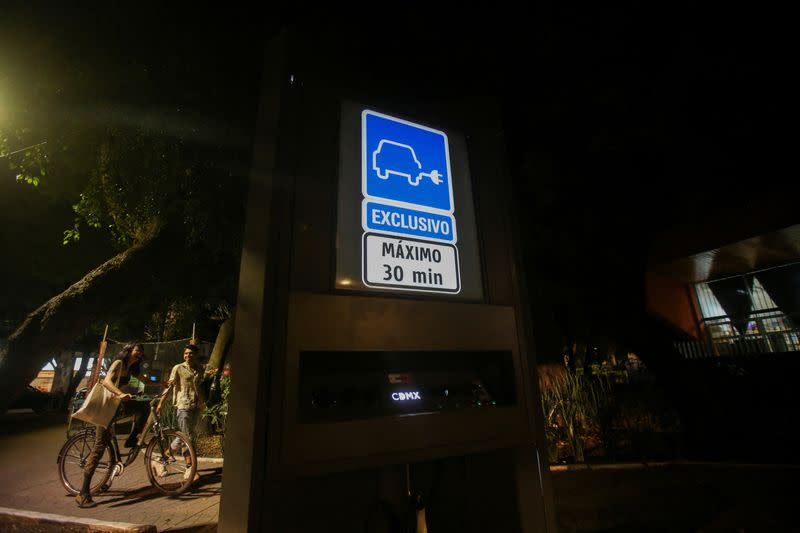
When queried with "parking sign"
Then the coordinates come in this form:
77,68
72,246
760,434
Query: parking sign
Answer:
405,163
407,207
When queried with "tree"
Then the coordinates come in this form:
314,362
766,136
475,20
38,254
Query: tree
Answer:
173,214
141,148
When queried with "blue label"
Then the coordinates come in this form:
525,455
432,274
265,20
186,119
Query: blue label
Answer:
405,162
403,221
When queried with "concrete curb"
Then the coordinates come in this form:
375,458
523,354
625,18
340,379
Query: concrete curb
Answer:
30,521
613,466
216,460
661,464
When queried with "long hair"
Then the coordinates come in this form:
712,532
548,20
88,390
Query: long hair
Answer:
124,355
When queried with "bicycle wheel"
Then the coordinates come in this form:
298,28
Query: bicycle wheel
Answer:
170,462
72,459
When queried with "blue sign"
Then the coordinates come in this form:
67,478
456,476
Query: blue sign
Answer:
406,164
385,218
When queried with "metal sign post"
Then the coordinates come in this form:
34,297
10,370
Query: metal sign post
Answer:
99,361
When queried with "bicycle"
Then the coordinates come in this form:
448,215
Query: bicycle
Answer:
168,474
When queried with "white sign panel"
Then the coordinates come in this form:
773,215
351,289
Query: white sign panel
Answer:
410,264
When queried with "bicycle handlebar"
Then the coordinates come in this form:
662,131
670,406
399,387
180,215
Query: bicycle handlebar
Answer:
154,401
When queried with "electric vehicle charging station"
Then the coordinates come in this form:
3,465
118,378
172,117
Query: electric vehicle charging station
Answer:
382,357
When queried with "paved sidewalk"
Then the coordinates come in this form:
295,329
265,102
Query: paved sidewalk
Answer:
676,496
28,450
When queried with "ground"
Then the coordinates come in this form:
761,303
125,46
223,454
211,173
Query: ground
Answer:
677,497
674,497
209,446
30,445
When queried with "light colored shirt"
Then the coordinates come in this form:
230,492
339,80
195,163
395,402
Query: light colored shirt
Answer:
186,382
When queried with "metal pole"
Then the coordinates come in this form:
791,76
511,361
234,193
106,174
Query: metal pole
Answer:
99,362
408,480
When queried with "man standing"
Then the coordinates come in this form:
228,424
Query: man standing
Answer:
185,379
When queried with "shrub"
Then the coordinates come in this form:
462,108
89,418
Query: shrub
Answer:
574,407
604,413
217,414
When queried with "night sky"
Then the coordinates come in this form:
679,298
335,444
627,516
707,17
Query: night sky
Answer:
623,122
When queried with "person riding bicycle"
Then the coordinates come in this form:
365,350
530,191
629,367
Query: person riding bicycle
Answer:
127,363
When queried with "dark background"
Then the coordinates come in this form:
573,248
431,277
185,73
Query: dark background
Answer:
623,123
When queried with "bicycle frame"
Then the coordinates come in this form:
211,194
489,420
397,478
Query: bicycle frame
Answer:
152,424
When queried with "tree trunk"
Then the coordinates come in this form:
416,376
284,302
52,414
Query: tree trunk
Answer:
62,374
76,379
224,338
131,274
217,359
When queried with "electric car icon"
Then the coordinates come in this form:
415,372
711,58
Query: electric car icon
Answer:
400,159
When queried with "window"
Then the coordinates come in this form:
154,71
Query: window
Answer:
751,313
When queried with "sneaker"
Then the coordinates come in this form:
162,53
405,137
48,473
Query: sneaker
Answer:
188,474
161,470
85,502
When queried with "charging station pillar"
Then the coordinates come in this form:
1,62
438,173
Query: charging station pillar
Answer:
382,341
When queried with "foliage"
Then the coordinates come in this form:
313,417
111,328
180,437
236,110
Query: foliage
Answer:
217,414
29,163
43,148
597,412
139,181
173,321
126,178
572,404
219,311
168,415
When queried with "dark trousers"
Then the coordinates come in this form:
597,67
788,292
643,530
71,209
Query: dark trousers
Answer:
102,439
103,435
